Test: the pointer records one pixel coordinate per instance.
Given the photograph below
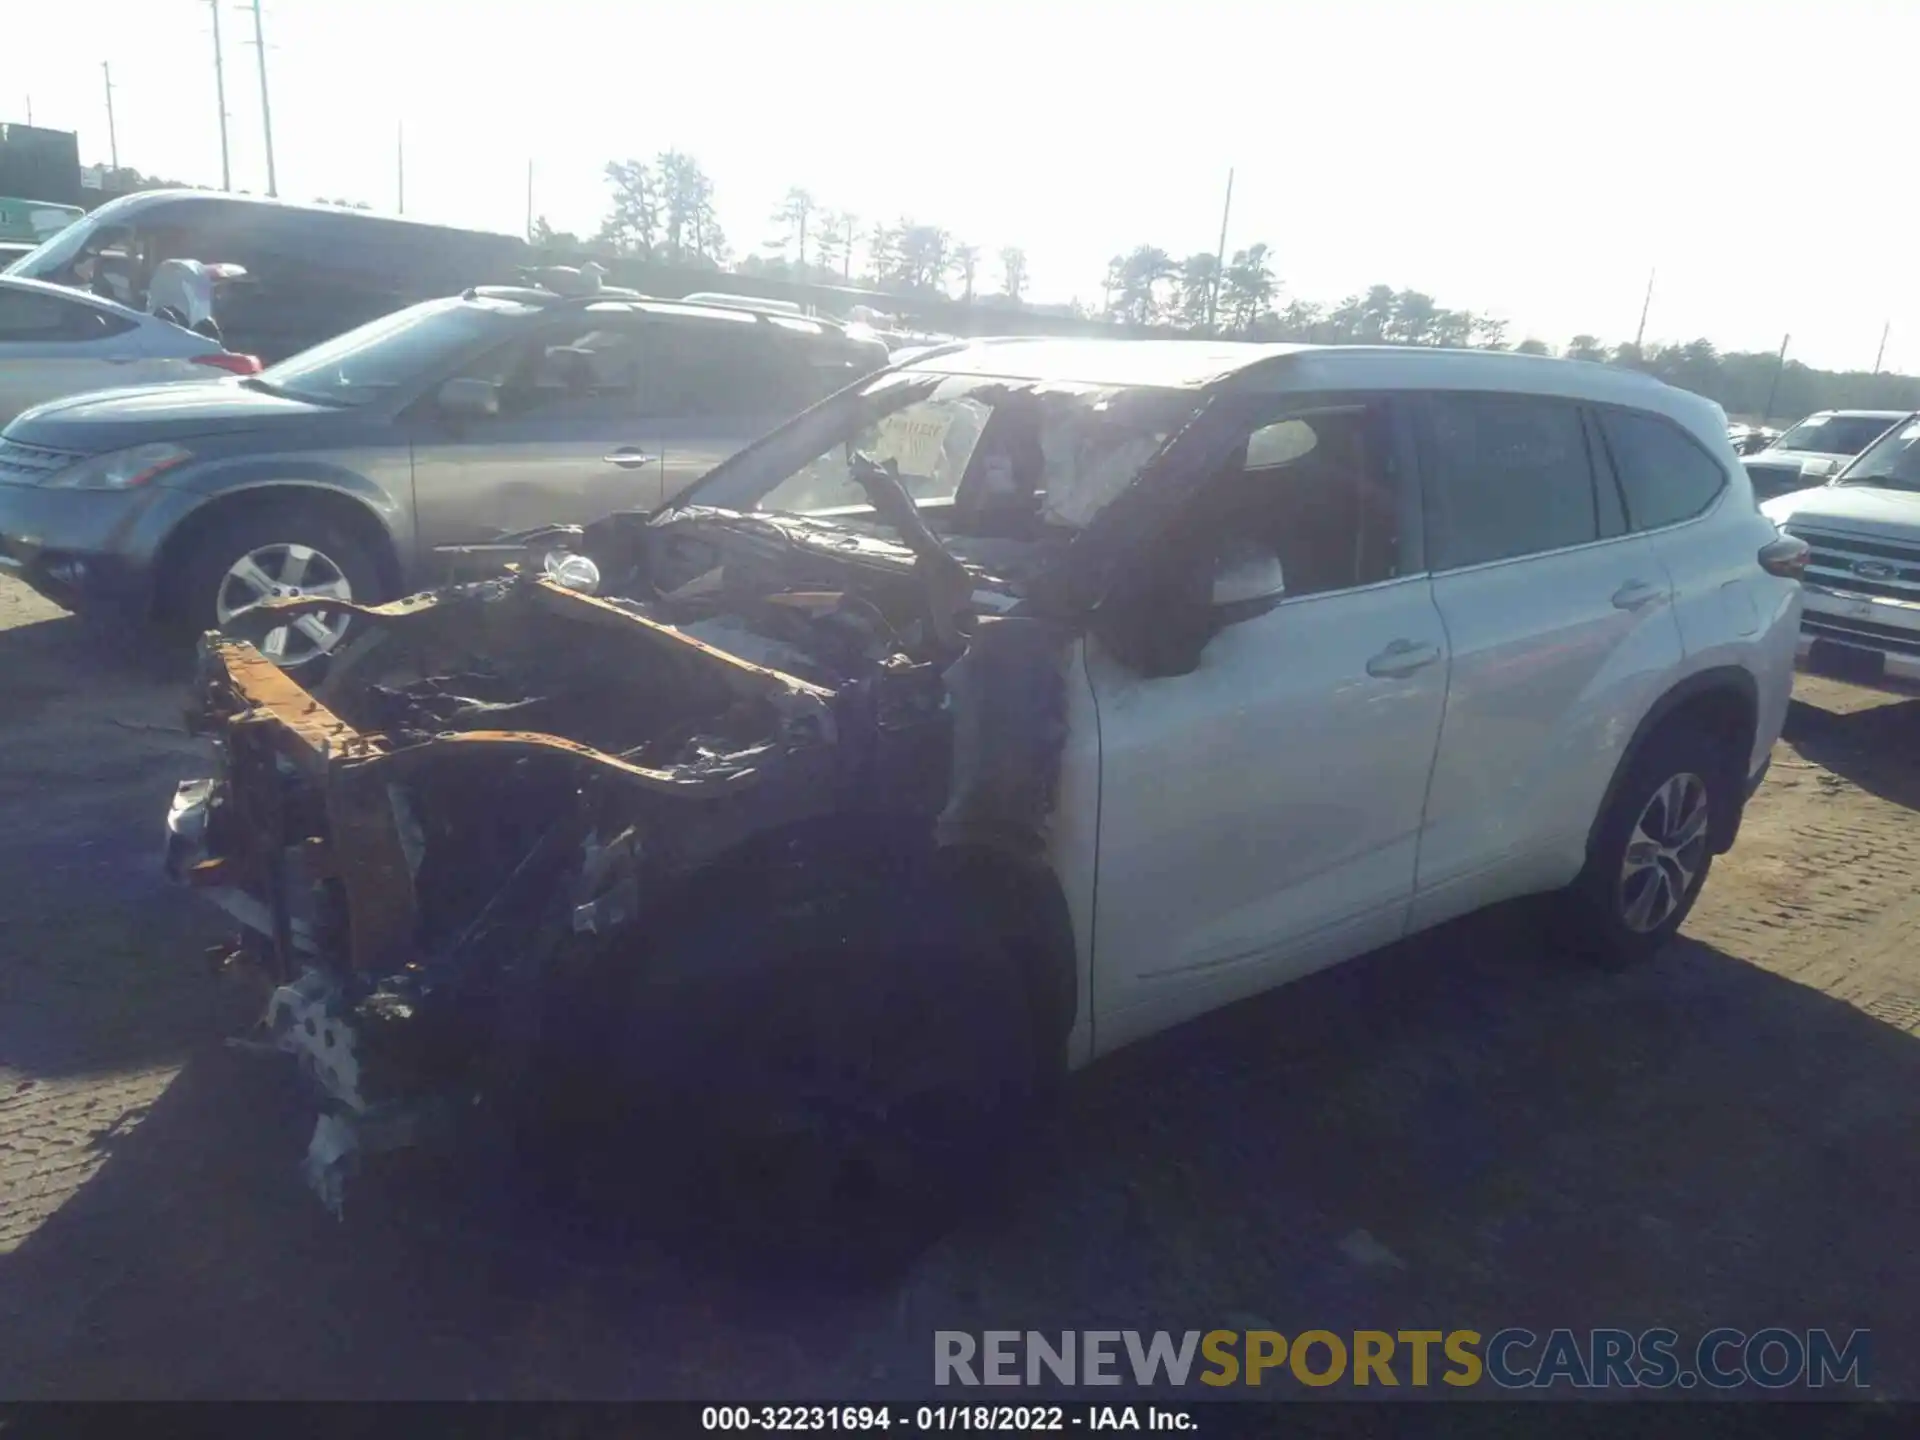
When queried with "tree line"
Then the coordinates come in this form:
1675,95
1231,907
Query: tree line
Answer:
663,210
1147,287
812,243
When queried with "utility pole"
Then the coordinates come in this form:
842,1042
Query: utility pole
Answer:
1767,414
220,92
400,163
1881,354
266,110
29,109
846,255
113,138
529,200
1640,335
1219,259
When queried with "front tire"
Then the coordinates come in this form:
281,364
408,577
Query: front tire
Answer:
275,550
1652,850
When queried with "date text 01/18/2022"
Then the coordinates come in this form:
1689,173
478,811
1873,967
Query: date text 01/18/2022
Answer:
936,1419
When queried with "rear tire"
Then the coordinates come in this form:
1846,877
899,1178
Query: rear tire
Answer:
826,1082
1653,849
292,540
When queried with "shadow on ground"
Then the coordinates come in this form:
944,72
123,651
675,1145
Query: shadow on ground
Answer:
1463,1131
1874,748
93,941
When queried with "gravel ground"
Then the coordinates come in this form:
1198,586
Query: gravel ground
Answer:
1461,1131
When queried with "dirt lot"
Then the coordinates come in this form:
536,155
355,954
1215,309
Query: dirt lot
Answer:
1462,1131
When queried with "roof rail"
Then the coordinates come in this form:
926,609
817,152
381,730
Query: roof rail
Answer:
553,300
755,303
540,295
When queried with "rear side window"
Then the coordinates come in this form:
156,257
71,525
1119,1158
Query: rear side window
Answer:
32,317
25,317
729,371
1508,475
1665,476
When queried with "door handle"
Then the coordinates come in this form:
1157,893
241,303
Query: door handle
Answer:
628,457
1402,657
1634,594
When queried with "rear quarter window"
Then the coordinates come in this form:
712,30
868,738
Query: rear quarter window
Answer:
1665,476
728,371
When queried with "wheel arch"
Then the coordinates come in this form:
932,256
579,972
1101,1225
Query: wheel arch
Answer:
347,509
1725,702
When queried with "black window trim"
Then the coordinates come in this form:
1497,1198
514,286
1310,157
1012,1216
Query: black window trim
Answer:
1600,407
1598,450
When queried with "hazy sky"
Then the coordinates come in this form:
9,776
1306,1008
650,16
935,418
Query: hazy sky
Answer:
1528,159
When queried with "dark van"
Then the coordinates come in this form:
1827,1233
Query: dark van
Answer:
312,271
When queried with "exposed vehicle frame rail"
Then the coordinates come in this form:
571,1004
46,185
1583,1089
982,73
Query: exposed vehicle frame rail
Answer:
267,720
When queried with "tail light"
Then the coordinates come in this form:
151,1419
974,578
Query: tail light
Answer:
1786,557
231,363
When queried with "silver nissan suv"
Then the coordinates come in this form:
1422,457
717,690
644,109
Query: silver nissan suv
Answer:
363,468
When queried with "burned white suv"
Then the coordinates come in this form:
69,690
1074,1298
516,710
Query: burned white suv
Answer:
1024,700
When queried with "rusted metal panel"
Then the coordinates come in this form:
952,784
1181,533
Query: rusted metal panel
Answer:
731,773
274,713
304,730
747,677
372,867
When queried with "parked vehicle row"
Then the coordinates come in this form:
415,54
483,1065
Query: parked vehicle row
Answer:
312,271
359,468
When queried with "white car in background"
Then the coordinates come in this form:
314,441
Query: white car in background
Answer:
56,342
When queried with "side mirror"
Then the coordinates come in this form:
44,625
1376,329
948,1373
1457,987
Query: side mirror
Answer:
1161,629
1247,577
469,397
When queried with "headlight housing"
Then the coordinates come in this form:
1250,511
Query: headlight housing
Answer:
119,469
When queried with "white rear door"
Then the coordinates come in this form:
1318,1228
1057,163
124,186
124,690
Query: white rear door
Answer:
1562,634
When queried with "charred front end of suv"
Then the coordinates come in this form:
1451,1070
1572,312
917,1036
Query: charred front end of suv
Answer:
499,787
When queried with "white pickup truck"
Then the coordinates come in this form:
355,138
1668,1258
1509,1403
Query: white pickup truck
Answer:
1862,615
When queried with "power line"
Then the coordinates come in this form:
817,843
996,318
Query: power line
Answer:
113,138
266,109
1219,259
220,92
1773,387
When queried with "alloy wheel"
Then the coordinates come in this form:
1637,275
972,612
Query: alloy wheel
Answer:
1665,853
281,571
